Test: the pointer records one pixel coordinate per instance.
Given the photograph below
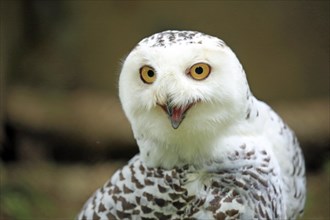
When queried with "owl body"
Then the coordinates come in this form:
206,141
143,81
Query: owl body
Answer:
208,148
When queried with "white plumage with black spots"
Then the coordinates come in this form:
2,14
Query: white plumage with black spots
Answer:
208,148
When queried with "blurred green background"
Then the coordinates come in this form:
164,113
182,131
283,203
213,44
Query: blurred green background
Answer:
63,132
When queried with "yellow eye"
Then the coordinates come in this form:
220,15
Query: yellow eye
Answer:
200,71
147,74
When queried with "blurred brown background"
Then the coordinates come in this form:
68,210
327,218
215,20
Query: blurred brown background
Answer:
62,130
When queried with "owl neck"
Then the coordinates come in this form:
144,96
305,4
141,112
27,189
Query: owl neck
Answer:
174,153
178,148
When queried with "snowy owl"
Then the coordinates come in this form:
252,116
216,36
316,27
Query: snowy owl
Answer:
208,148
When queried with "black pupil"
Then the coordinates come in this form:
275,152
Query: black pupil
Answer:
199,70
151,73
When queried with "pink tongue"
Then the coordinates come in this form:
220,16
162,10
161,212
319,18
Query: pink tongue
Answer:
177,114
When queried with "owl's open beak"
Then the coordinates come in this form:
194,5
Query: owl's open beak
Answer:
176,114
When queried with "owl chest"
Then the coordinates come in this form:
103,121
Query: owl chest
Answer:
156,193
167,194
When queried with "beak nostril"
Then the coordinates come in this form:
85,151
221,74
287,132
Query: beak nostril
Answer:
169,108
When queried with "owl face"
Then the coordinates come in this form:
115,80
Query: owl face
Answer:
179,81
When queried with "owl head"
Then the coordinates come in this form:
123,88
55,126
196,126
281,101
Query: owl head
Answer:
181,87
